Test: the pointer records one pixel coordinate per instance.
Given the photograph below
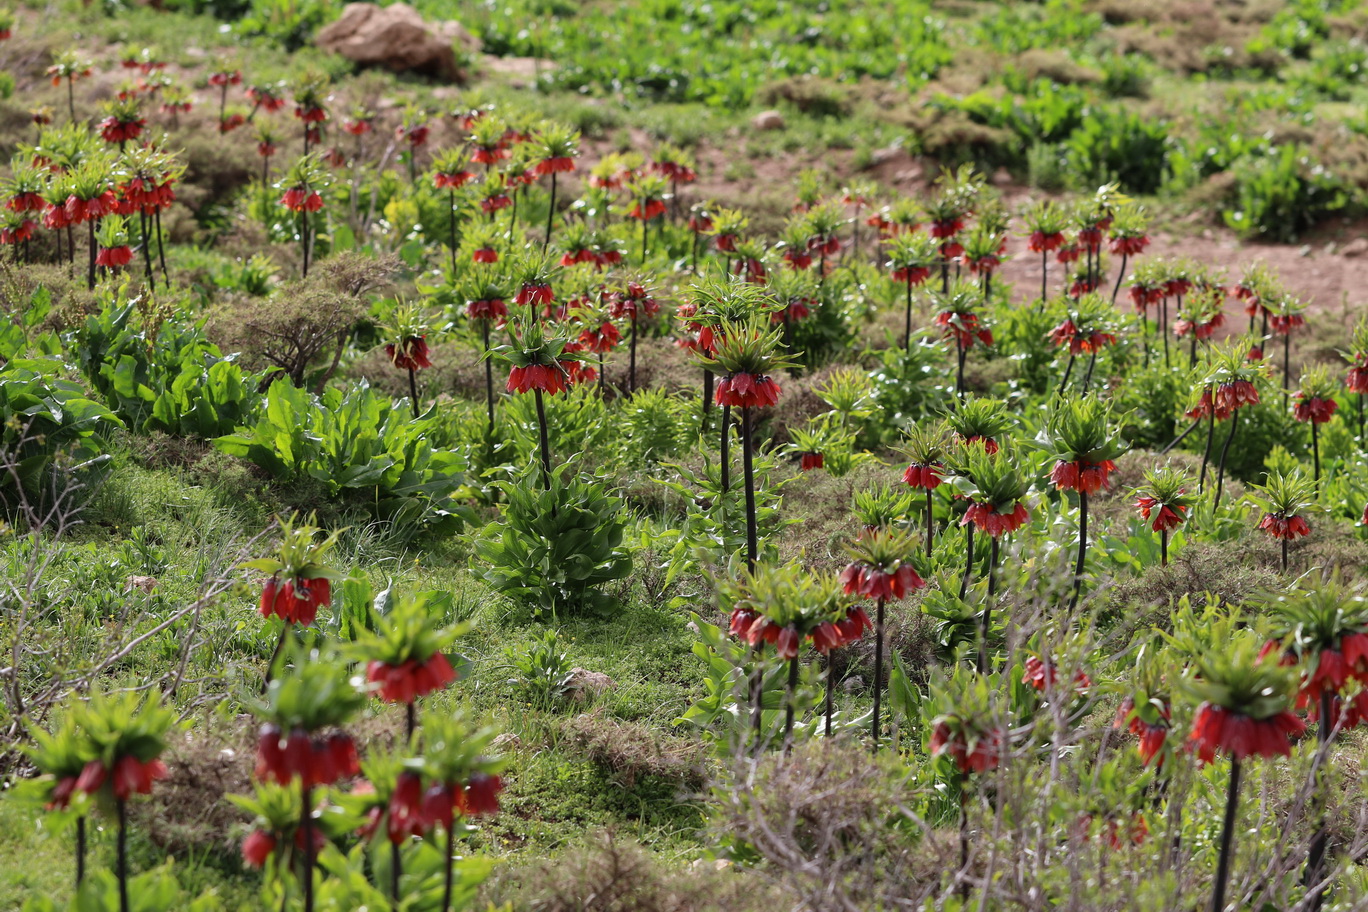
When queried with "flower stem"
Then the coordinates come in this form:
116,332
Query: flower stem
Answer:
1082,546
1284,557
1315,857
1287,365
451,226
410,720
275,654
830,685
791,695
1206,454
878,673
550,215
304,238
1163,547
1225,450
90,282
1116,289
963,842
929,522
988,609
907,323
968,559
707,398
1315,453
631,363
1044,271
450,855
396,868
726,449
1227,838
1067,371
1087,378
80,849
122,809
748,468
545,443
413,391
489,374
307,823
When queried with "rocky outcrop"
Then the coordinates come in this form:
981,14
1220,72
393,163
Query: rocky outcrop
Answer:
396,37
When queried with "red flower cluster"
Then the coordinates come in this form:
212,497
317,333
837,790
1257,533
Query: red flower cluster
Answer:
601,339
653,208
1217,728
130,776
990,446
1284,528
111,257
1357,379
1314,408
1202,331
945,228
21,232
544,377
79,210
316,760
225,78
912,275
873,583
479,796
1127,246
302,199
310,114
1043,675
634,301
535,294
986,518
114,130
927,477
1282,324
561,164
1080,343
964,328
1044,242
829,636
492,309
1083,477
411,679
295,601
1152,737
412,355
985,755
147,194
1335,668
1235,394
743,390
1166,518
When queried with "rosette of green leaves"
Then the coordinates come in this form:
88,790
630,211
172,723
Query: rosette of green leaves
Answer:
319,691
979,417
883,507
1285,494
1233,677
788,595
1081,430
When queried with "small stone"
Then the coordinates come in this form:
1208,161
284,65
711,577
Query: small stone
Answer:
585,685
141,583
1355,248
396,37
768,120
506,740
1001,178
853,684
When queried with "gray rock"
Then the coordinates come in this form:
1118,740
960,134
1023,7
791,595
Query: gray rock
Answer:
768,120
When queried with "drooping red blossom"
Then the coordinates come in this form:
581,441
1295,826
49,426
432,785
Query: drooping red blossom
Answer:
1314,408
743,390
990,446
1284,528
534,294
1083,477
873,583
115,131
985,755
295,601
926,477
412,355
809,461
492,309
1216,728
964,328
1079,342
544,377
1236,394
1044,242
411,679
986,518
114,256
1357,379
600,339
257,847
1127,246
18,233
316,760
912,275
1166,517
1282,324
406,817
1043,675
482,793
302,199
1152,737
79,211
653,208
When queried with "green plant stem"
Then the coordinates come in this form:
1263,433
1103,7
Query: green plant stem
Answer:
275,654
1227,838
71,98
146,248
757,692
413,391
1287,366
396,868
1082,547
451,226
961,354
1087,377
748,469
1163,547
791,697
545,442
707,398
1044,272
122,848
878,673
643,235
410,720
1163,328
1225,451
963,841
1284,557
